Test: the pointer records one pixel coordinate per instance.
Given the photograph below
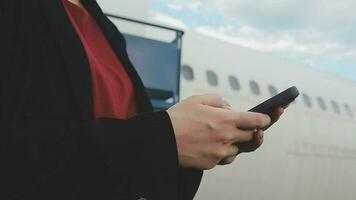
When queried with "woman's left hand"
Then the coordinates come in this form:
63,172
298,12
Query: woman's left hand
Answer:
257,140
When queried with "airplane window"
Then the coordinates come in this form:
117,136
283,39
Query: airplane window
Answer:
307,100
234,83
348,110
188,73
272,90
322,103
335,107
255,89
212,78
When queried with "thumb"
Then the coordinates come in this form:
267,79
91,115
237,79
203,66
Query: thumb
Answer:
213,100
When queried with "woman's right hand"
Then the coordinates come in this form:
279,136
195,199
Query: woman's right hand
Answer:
206,132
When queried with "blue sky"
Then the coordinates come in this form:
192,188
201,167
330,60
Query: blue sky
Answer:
319,33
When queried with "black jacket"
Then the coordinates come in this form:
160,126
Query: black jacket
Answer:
50,145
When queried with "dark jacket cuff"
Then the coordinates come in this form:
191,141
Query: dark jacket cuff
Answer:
189,181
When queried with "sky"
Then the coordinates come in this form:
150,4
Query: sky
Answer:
318,33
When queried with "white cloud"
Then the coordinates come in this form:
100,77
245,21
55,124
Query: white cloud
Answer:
168,20
261,44
191,5
194,6
175,6
313,32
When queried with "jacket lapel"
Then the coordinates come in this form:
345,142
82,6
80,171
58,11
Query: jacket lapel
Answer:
117,43
73,53
76,60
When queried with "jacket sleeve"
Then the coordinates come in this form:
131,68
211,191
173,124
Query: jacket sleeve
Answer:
35,150
188,182
188,179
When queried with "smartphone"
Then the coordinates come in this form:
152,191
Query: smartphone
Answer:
282,99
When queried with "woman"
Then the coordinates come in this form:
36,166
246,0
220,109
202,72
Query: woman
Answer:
76,122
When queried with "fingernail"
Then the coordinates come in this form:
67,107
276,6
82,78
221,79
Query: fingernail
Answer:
269,119
227,105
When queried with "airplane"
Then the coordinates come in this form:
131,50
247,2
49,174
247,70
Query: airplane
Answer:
310,153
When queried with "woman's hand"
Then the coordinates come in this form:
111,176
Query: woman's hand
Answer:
206,132
257,140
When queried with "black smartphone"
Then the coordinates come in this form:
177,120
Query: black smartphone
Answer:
282,99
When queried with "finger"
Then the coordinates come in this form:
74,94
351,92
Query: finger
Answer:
234,151
252,120
213,100
227,160
242,136
253,145
275,117
259,137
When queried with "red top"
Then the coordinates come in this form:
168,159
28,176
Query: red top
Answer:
113,93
